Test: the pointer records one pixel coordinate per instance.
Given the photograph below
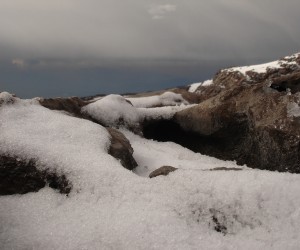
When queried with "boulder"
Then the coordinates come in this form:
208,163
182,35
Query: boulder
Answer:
164,170
19,176
121,149
72,105
251,116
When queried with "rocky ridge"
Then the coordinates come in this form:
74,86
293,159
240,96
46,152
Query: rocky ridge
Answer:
251,115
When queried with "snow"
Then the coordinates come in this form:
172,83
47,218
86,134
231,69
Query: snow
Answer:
169,153
6,98
113,208
30,131
293,110
115,110
165,99
111,110
262,68
194,86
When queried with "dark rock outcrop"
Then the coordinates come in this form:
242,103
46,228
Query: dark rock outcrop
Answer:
18,176
72,105
121,149
251,117
164,170
243,117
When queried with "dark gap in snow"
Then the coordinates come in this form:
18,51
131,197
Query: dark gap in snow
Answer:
287,84
20,177
222,144
218,226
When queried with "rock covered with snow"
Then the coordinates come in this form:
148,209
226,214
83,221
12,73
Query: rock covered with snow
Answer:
165,99
113,110
250,114
7,98
41,147
118,111
109,207
195,87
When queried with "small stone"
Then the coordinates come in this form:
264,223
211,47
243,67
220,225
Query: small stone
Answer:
164,170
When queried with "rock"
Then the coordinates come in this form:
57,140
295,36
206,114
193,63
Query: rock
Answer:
164,170
121,149
18,176
72,105
247,115
225,169
243,117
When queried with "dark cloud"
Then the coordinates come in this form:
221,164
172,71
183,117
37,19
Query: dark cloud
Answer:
163,38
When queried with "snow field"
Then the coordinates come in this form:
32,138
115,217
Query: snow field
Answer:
113,208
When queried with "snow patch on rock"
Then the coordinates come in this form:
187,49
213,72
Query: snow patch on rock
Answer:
115,110
165,99
262,68
194,86
293,109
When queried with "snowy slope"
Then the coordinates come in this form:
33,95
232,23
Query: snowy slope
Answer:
262,68
110,207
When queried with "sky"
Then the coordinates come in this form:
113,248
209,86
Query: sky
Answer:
87,47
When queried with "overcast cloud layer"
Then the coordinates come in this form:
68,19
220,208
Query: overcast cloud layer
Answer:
165,40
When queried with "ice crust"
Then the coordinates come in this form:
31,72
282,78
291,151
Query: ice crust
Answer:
113,208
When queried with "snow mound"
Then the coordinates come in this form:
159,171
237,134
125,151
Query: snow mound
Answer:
194,86
165,99
7,98
30,131
113,110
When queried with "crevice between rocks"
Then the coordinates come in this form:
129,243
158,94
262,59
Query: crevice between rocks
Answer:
221,144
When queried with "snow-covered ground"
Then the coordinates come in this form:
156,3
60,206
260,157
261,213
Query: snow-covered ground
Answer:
169,153
110,207
262,68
